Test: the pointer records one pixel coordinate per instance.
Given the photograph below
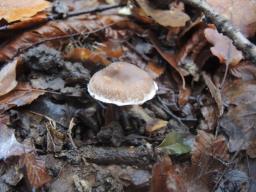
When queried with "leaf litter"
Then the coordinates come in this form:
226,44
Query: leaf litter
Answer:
196,134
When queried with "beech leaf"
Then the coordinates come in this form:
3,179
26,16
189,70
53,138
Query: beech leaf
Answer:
23,94
12,10
8,77
35,170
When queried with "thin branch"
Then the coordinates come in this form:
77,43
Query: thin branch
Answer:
225,27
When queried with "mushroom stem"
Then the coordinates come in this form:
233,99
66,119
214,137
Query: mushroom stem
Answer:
111,114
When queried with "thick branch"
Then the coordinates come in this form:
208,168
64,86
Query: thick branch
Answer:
225,27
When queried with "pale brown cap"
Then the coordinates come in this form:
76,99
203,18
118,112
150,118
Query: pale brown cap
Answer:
122,83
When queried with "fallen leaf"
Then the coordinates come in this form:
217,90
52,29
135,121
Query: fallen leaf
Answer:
35,170
165,178
240,12
223,47
239,92
12,10
23,94
167,18
208,147
59,29
173,144
8,77
9,145
238,123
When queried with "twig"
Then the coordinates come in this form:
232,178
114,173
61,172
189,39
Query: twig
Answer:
94,10
69,133
225,27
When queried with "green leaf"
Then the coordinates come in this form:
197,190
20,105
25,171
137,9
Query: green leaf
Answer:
173,144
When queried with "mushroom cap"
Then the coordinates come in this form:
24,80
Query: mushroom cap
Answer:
122,83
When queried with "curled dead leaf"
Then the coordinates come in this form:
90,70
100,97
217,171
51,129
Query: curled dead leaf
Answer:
223,47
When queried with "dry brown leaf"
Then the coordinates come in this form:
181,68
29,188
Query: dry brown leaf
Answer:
169,57
23,94
12,10
239,92
242,13
238,123
165,178
35,170
206,145
223,47
9,145
8,77
167,18
57,29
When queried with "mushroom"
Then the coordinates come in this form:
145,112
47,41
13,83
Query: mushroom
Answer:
122,84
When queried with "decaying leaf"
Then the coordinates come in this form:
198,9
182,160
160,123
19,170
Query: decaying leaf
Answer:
207,147
8,77
240,12
57,29
167,18
23,94
239,92
9,145
238,123
35,171
173,144
223,47
165,178
12,10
